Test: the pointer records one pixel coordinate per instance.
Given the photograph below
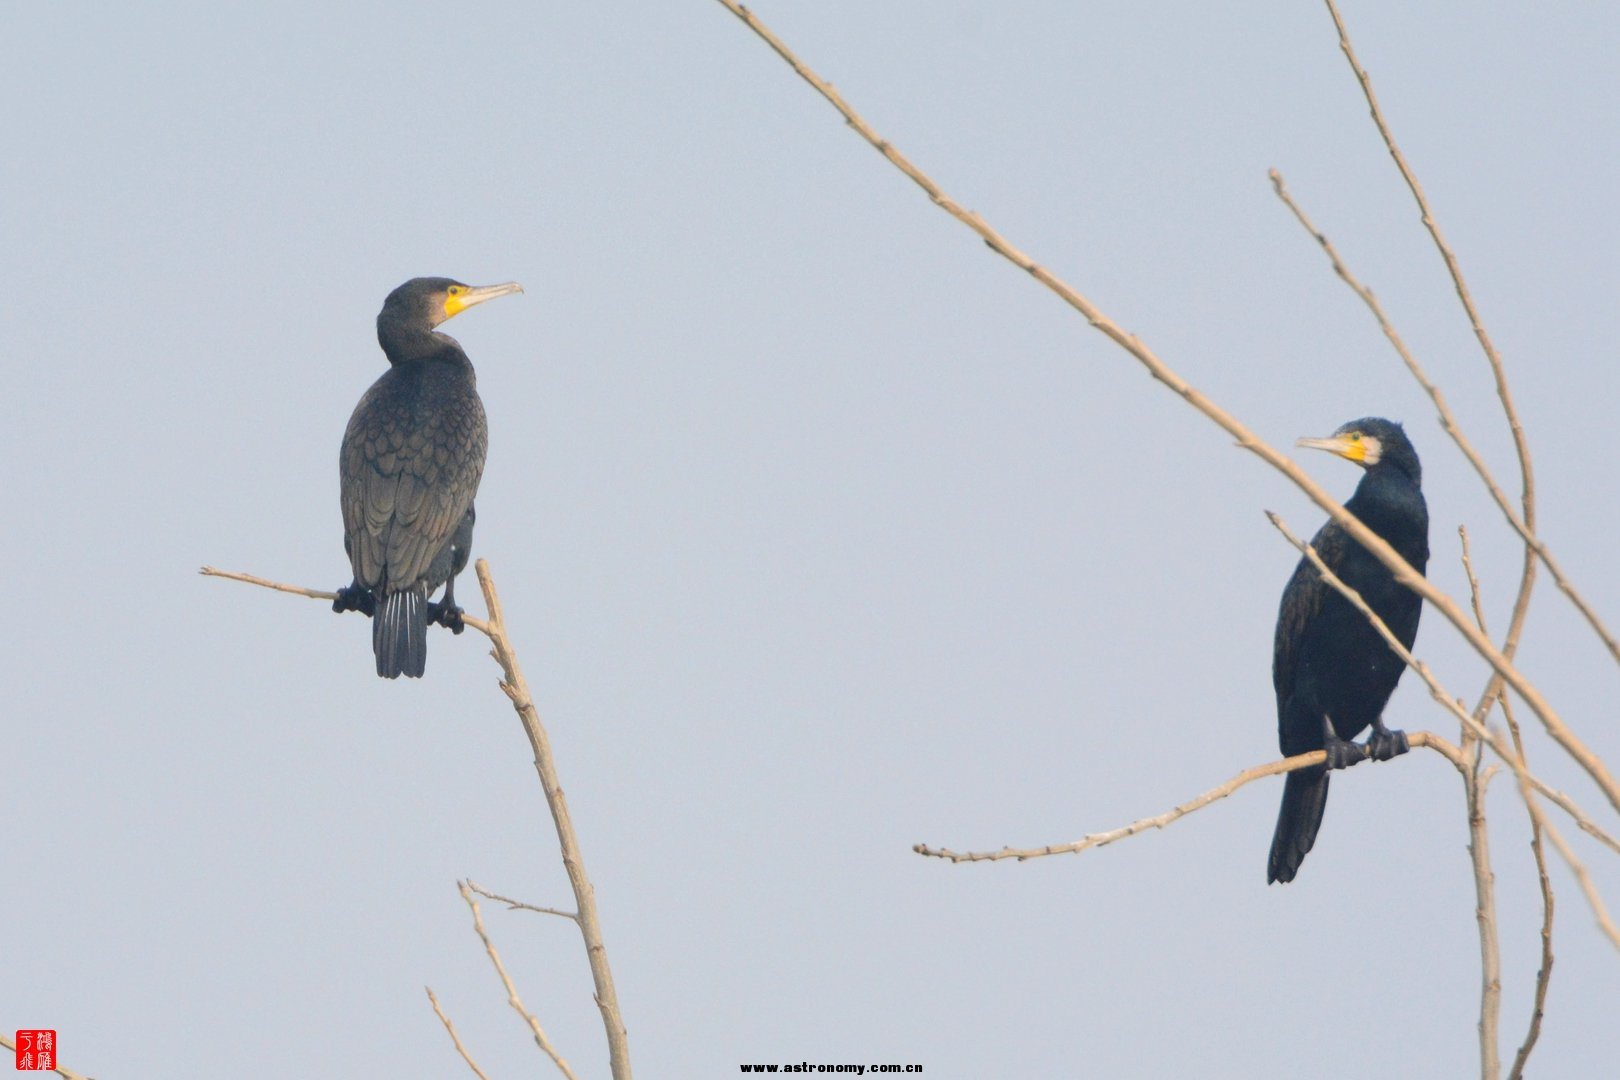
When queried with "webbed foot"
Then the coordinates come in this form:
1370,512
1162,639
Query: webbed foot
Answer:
1341,754
355,598
1384,744
446,614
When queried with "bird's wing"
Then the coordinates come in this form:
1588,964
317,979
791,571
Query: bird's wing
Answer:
406,488
1301,602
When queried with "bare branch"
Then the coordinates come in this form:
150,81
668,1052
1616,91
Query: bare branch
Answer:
1544,973
516,688
1475,782
1491,694
296,590
1161,371
512,998
519,905
1475,598
1490,955
1159,821
1452,265
1582,878
451,1028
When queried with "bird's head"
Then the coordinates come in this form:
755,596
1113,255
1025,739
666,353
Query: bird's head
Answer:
425,302
1368,442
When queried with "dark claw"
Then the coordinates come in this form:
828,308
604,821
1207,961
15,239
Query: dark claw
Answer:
1384,744
447,614
1342,755
355,598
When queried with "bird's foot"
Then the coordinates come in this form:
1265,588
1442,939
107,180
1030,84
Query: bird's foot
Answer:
355,598
447,614
1342,754
1384,744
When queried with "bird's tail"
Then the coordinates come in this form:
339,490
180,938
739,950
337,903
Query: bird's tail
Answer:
1304,800
399,634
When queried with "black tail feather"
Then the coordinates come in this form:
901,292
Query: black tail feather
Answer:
1304,800
399,634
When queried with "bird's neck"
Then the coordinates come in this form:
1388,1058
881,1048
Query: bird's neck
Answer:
1390,502
402,344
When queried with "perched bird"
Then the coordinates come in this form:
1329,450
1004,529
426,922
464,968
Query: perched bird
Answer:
1332,671
411,460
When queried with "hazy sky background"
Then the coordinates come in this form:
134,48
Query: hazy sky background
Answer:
821,531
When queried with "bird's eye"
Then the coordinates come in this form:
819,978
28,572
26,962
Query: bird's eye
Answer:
455,290
1355,436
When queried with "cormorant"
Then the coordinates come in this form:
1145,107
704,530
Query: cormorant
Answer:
411,460
1332,671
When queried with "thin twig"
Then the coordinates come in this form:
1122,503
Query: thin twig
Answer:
1246,438
1159,821
1582,878
1544,973
512,998
516,689
60,1070
296,590
451,1028
314,594
1475,780
519,905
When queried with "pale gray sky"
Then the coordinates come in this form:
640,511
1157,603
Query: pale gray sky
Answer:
821,531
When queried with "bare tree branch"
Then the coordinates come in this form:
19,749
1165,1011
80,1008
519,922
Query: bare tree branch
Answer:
1161,371
451,1028
296,590
1582,878
1159,821
519,905
1475,781
512,998
1544,973
516,689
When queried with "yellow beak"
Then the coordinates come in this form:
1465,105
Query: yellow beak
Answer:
1342,445
471,297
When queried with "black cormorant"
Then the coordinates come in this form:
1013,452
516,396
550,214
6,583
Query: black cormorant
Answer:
410,464
1332,671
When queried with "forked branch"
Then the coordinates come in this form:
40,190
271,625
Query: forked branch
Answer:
516,689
